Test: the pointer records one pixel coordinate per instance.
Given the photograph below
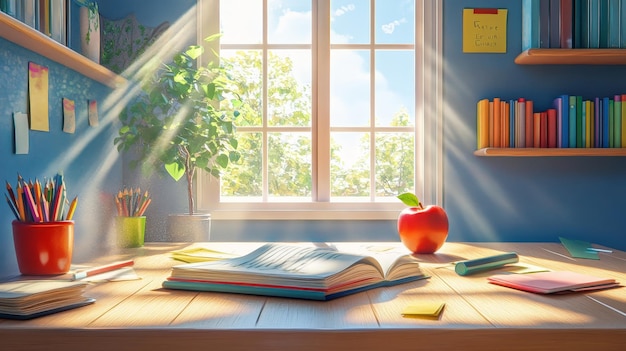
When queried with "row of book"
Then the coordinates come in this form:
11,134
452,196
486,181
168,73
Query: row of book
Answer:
573,24
46,16
572,122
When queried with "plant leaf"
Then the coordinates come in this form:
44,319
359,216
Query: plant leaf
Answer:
174,170
409,199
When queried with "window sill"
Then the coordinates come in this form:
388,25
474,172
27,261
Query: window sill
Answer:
253,211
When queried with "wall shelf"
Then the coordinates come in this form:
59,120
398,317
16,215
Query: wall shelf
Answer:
29,38
542,152
572,57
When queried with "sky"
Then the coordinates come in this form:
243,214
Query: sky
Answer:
290,23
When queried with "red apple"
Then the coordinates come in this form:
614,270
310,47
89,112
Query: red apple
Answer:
423,230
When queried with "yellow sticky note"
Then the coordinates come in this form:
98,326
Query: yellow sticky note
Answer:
38,97
423,310
484,30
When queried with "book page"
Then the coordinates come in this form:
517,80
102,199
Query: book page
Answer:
280,264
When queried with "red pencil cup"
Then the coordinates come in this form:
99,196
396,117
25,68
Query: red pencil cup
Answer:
43,248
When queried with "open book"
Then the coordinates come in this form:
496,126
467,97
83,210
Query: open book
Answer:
26,299
296,271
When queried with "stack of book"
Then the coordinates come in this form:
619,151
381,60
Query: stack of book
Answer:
572,122
573,24
26,299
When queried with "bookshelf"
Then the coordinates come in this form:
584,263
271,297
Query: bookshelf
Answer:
31,39
543,152
572,57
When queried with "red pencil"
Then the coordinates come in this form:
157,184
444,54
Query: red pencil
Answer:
102,269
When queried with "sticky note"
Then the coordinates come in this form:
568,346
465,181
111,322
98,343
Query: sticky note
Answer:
423,310
579,248
20,121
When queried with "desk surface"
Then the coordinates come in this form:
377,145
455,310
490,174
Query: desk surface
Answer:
140,314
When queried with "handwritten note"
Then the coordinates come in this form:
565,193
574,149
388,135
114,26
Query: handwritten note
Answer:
484,30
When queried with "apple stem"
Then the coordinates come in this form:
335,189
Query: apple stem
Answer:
420,205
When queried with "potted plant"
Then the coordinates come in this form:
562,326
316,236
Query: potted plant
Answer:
182,121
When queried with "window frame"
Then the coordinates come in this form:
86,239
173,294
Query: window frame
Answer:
428,136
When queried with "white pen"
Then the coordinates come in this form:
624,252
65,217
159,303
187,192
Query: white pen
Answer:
598,250
102,269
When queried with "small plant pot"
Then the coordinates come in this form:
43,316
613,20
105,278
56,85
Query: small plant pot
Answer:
189,228
43,248
130,231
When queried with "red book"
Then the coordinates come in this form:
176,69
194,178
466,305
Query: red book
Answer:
529,123
544,130
565,22
552,132
497,123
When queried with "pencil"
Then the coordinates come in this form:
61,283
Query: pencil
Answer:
102,269
70,212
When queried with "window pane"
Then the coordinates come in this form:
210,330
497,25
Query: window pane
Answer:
350,165
350,22
395,22
349,88
289,164
245,69
241,27
395,87
395,159
245,178
289,88
289,21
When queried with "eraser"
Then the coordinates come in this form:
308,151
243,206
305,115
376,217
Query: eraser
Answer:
486,263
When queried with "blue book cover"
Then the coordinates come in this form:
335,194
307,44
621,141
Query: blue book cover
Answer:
572,121
544,24
614,25
622,11
564,121
530,24
604,23
593,23
555,24
577,22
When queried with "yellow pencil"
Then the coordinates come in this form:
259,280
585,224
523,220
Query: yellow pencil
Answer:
70,212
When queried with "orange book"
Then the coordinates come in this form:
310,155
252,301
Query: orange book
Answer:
497,123
552,132
528,120
482,124
536,129
490,123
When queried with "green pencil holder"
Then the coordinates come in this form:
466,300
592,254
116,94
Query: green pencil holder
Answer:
130,231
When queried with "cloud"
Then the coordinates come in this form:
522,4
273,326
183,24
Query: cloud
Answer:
344,9
390,27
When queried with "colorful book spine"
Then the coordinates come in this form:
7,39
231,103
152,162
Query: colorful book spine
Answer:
623,120
530,24
544,130
482,123
544,24
605,122
528,121
622,11
614,24
577,23
552,129
497,125
579,121
617,116
593,23
572,121
512,129
565,24
537,129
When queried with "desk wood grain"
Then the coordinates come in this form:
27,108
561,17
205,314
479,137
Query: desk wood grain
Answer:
140,314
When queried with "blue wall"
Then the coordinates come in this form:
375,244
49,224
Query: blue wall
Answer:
87,158
524,199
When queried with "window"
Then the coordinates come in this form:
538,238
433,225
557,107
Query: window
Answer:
342,107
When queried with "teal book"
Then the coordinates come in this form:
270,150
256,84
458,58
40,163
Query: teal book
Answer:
614,23
622,12
298,271
572,121
530,24
577,21
564,122
579,121
593,23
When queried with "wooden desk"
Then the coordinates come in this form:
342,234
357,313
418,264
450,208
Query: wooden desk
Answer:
140,315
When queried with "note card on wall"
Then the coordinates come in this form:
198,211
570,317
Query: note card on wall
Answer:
484,30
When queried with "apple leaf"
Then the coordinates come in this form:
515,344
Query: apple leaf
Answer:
410,199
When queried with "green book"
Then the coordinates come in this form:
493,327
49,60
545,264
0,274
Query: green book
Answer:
579,121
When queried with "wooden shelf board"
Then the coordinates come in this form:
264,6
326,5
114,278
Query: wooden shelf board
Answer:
572,57
542,152
31,39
